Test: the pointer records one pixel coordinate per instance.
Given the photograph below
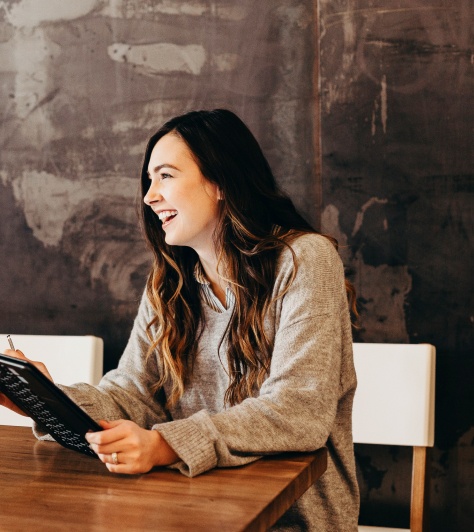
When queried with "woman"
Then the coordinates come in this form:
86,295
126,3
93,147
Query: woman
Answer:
242,343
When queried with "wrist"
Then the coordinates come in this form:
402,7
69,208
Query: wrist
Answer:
164,454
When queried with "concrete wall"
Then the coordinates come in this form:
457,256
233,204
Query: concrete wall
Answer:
82,87
84,84
397,114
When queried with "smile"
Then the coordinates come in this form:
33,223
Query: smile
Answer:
166,216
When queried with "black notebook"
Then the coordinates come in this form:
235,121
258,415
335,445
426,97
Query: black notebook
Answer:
46,404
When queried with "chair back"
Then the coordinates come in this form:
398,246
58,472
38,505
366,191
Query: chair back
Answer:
69,359
394,400
394,405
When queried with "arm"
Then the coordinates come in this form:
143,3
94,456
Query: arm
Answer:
125,393
297,405
124,398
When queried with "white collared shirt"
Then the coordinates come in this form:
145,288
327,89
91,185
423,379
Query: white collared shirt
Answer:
207,293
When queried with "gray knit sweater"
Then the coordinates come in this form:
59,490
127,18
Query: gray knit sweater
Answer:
304,404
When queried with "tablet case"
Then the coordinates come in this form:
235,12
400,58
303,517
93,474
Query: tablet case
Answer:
46,404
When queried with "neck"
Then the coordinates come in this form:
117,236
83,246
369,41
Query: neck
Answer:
214,272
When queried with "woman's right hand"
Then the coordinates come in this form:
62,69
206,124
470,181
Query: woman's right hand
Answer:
4,401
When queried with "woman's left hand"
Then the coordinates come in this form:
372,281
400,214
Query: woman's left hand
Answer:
124,447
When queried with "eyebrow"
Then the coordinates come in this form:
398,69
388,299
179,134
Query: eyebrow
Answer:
160,166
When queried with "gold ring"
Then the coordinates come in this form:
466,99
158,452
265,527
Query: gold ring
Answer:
115,458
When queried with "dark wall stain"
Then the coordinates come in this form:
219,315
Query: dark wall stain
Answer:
398,158
77,107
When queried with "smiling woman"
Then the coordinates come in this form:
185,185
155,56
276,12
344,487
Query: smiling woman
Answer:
242,344
185,202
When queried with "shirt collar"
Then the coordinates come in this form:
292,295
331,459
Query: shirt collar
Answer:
199,274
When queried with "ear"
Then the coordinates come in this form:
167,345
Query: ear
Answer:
220,194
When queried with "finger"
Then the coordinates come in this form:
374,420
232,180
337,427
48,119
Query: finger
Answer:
95,438
106,449
7,403
108,458
110,424
121,437
119,468
126,469
123,465
15,354
112,433
39,365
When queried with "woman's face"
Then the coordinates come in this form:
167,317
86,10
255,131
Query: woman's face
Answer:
183,199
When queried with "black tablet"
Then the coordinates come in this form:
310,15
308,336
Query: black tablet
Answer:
46,404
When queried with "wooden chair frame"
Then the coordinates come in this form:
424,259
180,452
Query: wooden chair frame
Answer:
394,405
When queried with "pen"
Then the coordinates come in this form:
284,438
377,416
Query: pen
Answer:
10,342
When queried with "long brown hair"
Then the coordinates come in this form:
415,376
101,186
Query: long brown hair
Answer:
257,220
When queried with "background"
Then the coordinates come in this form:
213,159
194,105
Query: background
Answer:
365,111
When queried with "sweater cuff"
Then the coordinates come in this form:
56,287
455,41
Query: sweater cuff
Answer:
41,433
195,449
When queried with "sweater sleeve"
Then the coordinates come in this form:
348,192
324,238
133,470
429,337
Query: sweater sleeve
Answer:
125,392
296,407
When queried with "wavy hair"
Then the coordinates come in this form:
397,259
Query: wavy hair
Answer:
256,221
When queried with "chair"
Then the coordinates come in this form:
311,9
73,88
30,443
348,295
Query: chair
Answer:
394,405
69,359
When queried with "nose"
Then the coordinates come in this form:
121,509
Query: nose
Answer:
153,194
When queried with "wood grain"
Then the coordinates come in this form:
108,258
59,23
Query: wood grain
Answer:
45,486
419,514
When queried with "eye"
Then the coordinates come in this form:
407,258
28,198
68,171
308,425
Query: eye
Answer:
165,176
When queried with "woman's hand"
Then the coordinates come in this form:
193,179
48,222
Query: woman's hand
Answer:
4,401
134,449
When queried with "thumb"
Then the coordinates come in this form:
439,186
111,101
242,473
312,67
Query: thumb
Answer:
15,353
109,424
39,365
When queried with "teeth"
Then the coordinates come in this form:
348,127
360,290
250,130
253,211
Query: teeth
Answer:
163,215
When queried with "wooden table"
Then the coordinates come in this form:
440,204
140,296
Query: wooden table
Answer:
46,487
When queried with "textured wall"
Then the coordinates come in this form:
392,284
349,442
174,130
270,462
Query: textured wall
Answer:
397,119
82,87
